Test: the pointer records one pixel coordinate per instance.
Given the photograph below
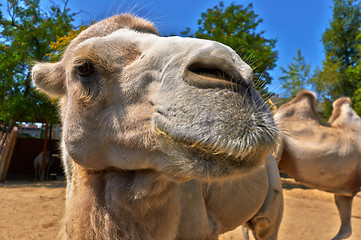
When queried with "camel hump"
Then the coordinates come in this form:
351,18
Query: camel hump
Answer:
341,101
305,94
343,115
337,108
301,107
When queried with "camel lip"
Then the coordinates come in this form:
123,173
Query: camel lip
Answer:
246,161
243,152
225,152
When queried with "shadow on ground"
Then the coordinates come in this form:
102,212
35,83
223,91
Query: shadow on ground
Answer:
21,184
289,183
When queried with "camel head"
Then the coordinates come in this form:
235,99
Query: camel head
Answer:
132,100
343,115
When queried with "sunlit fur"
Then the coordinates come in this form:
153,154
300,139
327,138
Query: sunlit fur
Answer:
326,156
164,137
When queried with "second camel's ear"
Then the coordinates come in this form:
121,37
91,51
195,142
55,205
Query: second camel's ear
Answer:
49,78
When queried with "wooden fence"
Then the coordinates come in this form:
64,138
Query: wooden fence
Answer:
7,145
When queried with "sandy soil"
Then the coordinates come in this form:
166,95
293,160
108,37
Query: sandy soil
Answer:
31,210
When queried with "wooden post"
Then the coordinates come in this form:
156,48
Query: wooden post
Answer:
1,135
4,136
3,152
7,153
43,162
13,138
2,143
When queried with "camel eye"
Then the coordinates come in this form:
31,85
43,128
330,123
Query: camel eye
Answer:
86,69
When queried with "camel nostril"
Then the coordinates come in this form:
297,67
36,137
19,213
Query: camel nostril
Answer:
213,76
209,72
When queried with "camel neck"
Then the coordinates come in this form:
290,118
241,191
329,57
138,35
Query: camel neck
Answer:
123,205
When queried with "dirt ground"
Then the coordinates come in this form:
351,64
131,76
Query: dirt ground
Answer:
32,210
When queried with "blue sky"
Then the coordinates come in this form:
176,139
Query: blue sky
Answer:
296,24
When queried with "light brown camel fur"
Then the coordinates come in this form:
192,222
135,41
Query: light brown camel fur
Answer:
49,160
163,137
322,156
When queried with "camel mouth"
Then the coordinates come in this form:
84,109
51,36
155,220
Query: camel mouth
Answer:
242,162
204,75
231,143
226,154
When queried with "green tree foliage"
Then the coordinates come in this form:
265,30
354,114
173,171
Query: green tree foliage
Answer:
354,72
58,47
339,75
296,77
26,32
235,26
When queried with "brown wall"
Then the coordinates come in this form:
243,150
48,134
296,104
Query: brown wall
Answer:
26,149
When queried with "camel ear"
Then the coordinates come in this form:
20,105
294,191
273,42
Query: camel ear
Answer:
49,78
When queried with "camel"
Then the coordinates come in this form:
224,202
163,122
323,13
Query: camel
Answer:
38,162
325,156
162,137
